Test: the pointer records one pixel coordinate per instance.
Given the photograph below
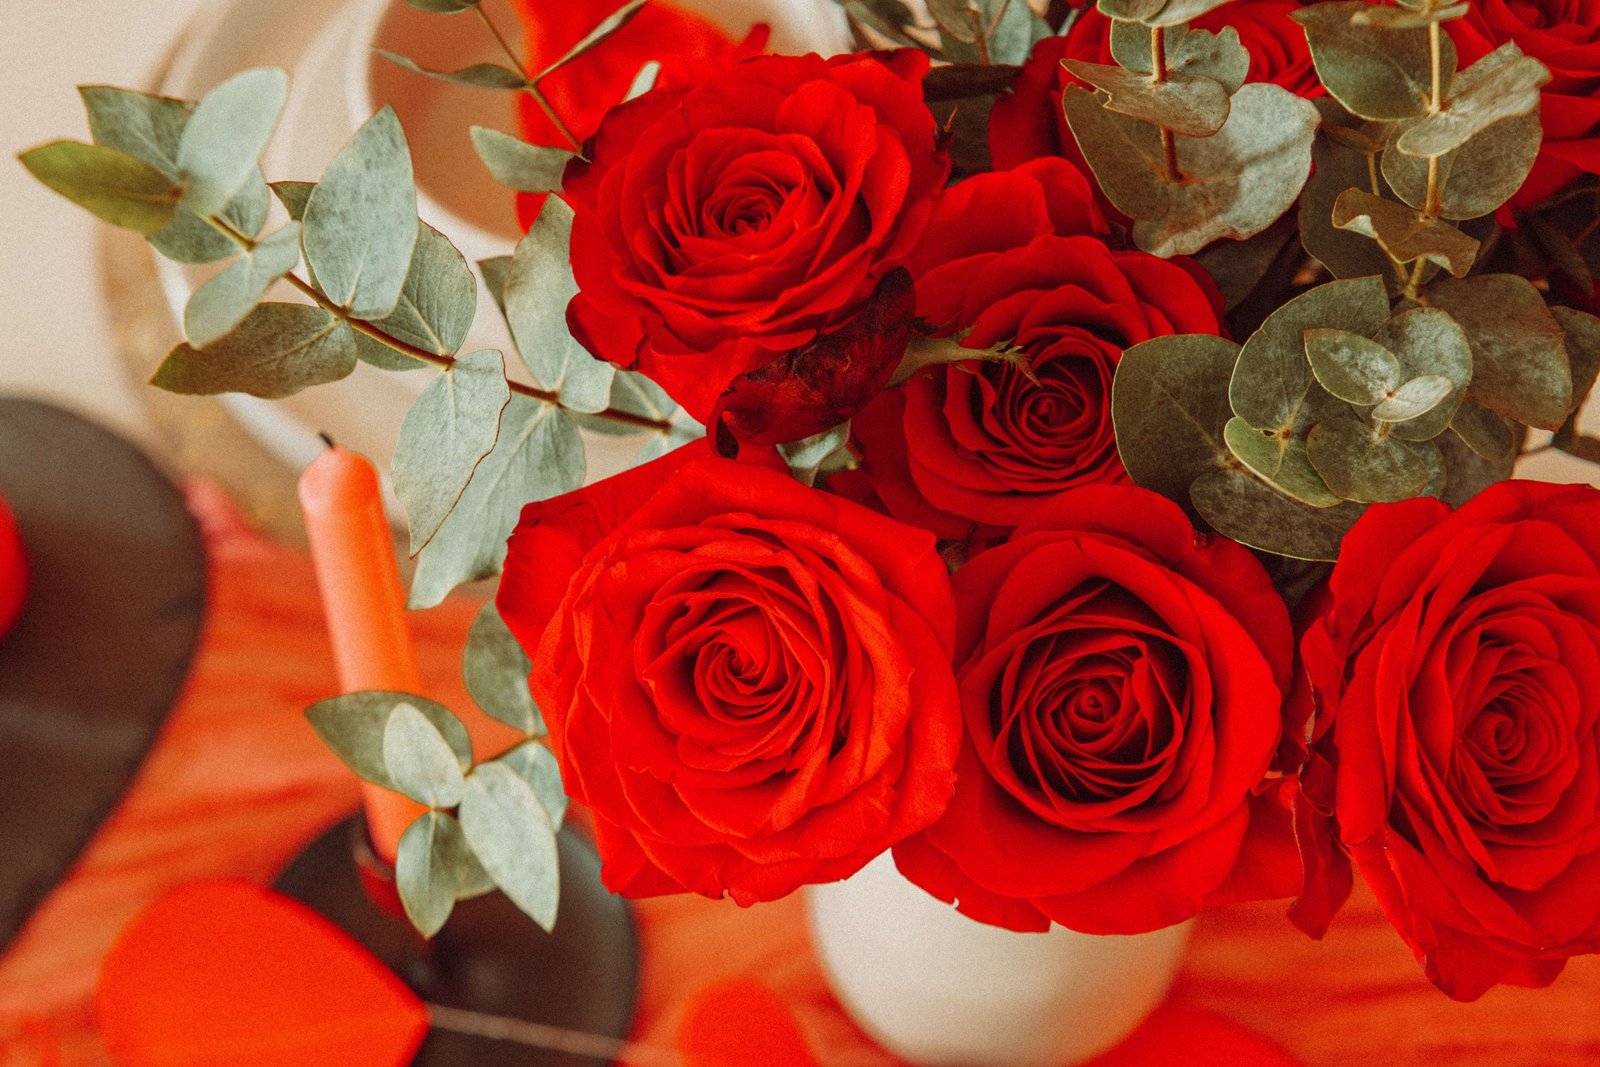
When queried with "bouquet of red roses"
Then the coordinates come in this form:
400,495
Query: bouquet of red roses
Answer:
1076,453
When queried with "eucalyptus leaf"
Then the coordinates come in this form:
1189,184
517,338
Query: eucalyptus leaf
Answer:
1242,507
1014,32
114,186
144,126
1177,12
360,224
1353,368
1237,182
1476,178
1362,465
445,434
1375,71
496,671
438,301
635,394
1400,18
1273,387
1428,342
1280,461
477,76
1238,267
1169,404
1519,361
443,7
190,239
1404,234
294,196
220,304
1183,103
606,27
428,868
1130,10
644,80
537,766
1219,56
278,350
538,289
1343,159
1503,84
537,455
806,455
354,724
514,839
375,353
223,140
1583,351
419,761
1486,433
1414,399
516,164
495,271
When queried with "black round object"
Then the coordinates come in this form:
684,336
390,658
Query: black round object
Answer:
116,597
490,957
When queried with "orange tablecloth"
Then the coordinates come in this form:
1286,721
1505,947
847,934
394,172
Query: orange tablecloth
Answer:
239,783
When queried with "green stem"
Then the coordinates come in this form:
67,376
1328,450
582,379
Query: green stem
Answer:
532,86
1158,74
370,330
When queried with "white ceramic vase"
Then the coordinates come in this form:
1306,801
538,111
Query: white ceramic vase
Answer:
941,990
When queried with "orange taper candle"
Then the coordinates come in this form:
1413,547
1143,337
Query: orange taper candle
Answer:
353,551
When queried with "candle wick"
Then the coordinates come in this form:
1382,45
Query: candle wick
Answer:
325,438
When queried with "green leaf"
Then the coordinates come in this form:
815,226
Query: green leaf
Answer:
514,839
190,239
222,143
144,126
1405,235
1477,177
1193,106
1280,461
443,7
354,724
419,761
1176,12
644,80
1218,56
1361,465
1503,84
1581,447
496,671
1487,434
438,300
361,221
1237,182
1414,399
1015,29
1242,507
445,434
1344,159
114,186
538,288
1429,342
537,455
1169,404
1238,267
1376,72
1399,18
809,453
635,394
294,196
477,76
607,26
428,867
495,270
1583,351
1131,10
278,350
1519,361
1466,473
1353,368
375,353
516,164
220,304
535,764
1273,387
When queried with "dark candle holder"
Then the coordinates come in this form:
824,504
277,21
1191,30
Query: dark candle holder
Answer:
490,957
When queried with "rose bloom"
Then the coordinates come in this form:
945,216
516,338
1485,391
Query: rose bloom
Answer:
747,680
1454,665
1564,35
1016,257
727,224
1121,680
1029,121
13,569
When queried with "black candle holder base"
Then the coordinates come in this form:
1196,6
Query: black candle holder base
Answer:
490,958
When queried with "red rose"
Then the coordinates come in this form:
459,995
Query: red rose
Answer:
1121,683
748,681
1455,668
1564,35
723,226
13,570
1015,258
1029,121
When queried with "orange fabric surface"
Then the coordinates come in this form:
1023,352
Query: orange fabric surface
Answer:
239,783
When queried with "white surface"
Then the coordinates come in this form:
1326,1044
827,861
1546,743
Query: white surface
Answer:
57,341
943,991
